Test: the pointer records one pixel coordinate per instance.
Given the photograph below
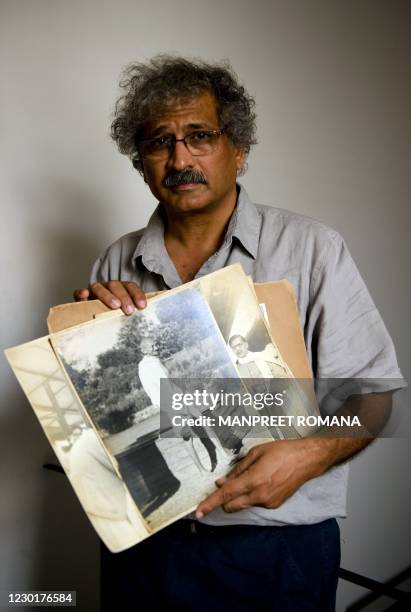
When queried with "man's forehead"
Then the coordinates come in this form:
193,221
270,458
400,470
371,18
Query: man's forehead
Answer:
194,110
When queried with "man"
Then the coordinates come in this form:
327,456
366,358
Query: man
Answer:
261,370
150,373
143,458
267,538
261,364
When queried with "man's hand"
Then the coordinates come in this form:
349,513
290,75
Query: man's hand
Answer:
272,472
267,476
114,294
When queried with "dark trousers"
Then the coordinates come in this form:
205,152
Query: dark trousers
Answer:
189,567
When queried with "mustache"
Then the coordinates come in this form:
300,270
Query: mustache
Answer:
183,177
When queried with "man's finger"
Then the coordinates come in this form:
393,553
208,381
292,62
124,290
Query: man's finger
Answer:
119,290
81,295
240,467
104,295
239,503
138,296
229,491
258,496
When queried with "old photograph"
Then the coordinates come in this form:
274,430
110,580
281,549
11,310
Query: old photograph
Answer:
243,322
116,365
101,491
235,307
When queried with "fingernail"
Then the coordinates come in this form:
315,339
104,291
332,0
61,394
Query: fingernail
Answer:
141,303
129,309
199,514
221,480
115,303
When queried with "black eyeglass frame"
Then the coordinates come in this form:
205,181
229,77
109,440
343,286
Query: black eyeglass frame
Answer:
174,140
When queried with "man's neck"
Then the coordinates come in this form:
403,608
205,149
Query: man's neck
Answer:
190,239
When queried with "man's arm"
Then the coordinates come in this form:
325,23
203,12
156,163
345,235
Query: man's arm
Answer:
272,472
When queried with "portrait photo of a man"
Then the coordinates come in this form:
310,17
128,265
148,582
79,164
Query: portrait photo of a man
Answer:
257,364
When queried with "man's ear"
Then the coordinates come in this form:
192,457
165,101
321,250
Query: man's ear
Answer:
240,160
143,172
136,165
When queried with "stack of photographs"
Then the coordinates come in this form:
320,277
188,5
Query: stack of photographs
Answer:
134,406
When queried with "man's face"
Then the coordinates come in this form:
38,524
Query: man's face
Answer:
218,168
239,346
147,346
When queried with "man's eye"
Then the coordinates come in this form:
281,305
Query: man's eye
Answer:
160,142
201,136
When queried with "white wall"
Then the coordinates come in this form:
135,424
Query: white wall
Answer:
330,82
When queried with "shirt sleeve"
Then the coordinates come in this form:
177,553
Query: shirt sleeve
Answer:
117,261
345,331
99,271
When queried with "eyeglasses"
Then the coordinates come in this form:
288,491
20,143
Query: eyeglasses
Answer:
199,142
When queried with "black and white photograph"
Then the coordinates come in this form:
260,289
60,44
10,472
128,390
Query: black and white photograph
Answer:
265,371
116,365
258,359
235,307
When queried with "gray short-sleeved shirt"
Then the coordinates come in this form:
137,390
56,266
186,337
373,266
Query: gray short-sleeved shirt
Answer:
344,333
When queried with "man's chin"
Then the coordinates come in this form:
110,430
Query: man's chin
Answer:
185,200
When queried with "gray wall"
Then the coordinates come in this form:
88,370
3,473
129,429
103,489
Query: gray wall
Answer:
330,83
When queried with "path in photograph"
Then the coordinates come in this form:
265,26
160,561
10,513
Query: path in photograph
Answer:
195,485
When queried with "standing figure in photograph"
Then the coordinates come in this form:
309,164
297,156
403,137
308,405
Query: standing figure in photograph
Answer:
150,372
187,127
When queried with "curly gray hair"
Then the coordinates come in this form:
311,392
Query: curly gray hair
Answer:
149,87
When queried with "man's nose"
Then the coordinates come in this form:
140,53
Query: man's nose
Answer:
180,157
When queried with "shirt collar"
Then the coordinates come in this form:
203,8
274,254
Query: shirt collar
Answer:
151,247
244,225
